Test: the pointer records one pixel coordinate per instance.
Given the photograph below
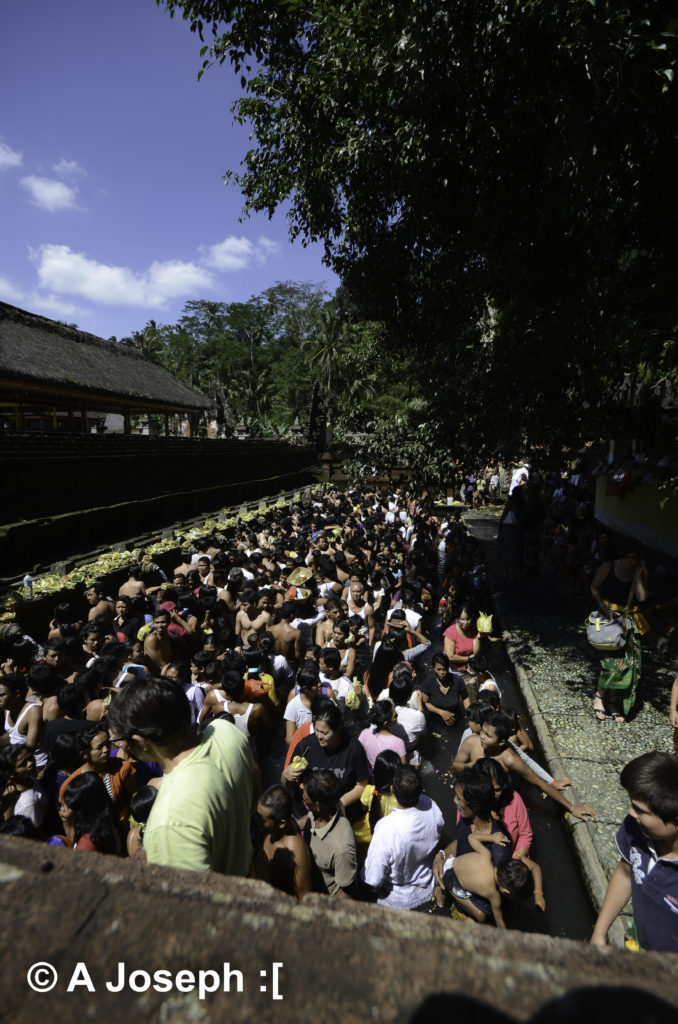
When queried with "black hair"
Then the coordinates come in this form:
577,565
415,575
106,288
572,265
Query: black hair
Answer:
653,778
514,876
308,675
15,683
497,773
386,764
142,802
380,714
156,709
74,698
278,801
441,659
314,650
322,787
233,686
55,644
183,670
500,723
478,662
402,686
478,791
333,602
87,797
288,610
64,751
87,734
490,697
407,786
201,658
325,710
44,679
64,614
331,657
8,758
21,826
95,626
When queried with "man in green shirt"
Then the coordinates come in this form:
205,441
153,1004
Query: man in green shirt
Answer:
201,817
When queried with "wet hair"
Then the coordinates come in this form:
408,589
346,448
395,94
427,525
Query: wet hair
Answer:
98,587
55,644
97,626
380,714
44,679
500,723
478,663
64,614
332,602
233,686
87,797
288,610
402,686
322,787
278,801
514,876
156,709
201,659
331,657
325,710
478,791
74,697
142,802
386,764
497,774
490,697
407,786
653,778
478,712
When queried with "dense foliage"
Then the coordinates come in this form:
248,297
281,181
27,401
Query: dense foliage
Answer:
493,181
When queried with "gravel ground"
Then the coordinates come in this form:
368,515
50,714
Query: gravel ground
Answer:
546,641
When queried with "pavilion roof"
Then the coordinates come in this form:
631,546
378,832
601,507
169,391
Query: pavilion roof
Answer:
41,352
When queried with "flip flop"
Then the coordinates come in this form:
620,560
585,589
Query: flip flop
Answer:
599,713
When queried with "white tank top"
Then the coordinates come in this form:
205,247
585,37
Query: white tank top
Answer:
240,720
16,737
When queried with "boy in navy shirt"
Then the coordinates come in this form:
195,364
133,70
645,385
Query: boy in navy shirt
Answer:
648,844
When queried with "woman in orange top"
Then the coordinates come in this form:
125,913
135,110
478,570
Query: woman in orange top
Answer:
118,776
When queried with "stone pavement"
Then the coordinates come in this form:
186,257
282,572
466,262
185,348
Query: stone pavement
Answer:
557,672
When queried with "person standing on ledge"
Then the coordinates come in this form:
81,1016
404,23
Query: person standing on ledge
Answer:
648,844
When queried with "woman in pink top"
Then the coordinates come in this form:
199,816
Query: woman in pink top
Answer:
384,734
461,639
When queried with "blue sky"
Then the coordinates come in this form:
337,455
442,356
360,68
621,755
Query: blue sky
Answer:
112,200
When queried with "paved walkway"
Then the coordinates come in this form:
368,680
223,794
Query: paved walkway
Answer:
556,670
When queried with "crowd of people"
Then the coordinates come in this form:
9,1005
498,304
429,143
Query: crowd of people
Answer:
262,712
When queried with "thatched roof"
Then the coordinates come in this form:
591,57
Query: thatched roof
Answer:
35,350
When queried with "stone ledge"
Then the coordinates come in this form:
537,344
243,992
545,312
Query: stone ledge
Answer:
342,962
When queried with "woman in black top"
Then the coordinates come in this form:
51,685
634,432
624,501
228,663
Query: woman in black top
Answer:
444,694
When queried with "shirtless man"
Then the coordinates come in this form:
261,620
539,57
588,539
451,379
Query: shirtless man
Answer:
358,606
250,618
186,565
287,638
135,585
99,608
492,741
284,859
157,644
334,613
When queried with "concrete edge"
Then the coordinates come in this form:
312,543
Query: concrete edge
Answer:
592,868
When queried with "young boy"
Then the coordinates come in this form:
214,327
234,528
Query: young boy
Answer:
648,844
475,875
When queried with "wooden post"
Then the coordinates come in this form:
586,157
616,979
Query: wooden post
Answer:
54,419
70,419
83,419
167,429
127,426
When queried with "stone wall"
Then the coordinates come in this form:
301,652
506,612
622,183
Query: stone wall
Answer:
342,963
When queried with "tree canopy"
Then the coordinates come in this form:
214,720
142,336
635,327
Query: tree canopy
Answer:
493,181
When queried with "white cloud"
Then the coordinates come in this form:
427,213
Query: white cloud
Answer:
37,303
8,293
66,272
50,194
239,253
9,157
70,169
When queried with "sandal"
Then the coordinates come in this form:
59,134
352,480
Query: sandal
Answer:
617,716
599,712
